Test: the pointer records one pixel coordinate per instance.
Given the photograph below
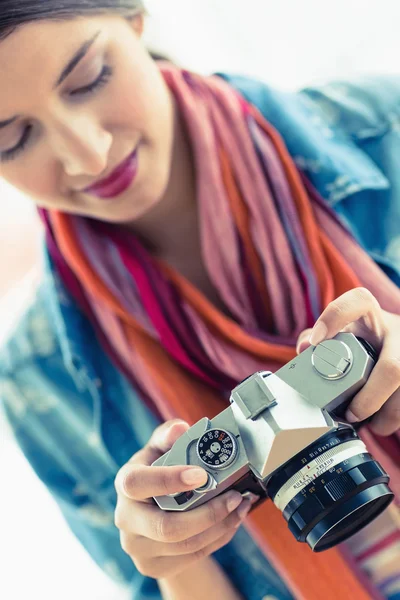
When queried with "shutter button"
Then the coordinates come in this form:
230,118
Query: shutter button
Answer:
332,359
210,484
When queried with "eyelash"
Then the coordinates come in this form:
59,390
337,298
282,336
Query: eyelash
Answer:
102,79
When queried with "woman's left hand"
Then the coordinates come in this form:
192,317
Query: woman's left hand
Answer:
358,312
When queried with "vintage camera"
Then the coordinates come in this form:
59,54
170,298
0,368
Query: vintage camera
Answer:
284,437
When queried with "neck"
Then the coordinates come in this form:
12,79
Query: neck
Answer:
172,225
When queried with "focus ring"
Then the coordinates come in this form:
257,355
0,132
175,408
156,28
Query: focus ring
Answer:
340,486
317,505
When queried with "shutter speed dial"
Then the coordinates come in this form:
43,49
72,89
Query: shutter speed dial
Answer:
217,448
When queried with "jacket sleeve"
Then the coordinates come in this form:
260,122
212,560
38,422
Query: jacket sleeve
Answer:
366,111
30,414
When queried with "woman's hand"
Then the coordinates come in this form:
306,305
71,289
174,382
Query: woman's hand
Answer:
160,543
358,311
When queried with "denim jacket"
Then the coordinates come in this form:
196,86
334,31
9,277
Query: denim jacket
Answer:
75,416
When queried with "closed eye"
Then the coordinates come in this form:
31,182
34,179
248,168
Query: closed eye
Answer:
101,80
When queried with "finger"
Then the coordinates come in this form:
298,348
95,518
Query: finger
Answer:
303,340
387,420
168,566
383,381
161,440
171,526
139,482
352,305
149,548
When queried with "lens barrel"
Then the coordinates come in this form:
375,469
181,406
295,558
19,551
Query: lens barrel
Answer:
330,490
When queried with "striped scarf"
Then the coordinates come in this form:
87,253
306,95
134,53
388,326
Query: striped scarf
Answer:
276,254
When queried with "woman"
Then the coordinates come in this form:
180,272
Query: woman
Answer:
184,251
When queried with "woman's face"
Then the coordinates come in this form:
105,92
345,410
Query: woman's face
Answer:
69,136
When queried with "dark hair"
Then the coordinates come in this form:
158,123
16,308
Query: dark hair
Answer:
14,13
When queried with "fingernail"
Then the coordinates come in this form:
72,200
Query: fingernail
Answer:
351,417
318,333
195,475
244,509
233,501
301,346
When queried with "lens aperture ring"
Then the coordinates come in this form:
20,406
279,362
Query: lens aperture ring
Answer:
330,440
305,477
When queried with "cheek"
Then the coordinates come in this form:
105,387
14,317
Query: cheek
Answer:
141,101
129,109
35,179
128,112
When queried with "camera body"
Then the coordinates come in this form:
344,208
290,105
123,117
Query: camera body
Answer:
284,437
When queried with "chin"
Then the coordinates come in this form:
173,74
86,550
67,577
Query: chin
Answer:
126,214
144,201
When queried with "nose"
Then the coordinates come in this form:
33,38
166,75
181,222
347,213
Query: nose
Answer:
82,146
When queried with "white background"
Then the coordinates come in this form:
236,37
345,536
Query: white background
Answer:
288,44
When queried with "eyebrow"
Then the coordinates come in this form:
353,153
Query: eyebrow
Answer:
81,53
75,60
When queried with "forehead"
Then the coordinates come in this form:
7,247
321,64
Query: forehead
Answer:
49,41
32,57
45,45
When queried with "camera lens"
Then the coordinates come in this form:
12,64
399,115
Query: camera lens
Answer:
330,490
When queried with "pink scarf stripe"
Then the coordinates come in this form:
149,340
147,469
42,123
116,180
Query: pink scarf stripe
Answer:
168,339
273,248
216,220
170,307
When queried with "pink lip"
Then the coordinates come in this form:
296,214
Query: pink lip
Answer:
118,181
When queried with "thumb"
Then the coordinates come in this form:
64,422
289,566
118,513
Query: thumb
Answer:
302,340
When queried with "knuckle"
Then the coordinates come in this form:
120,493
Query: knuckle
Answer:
187,546
166,483
119,480
364,295
128,544
202,552
230,522
153,568
122,487
164,427
167,529
337,308
163,527
215,511
391,364
159,526
393,413
146,568
159,571
190,545
119,519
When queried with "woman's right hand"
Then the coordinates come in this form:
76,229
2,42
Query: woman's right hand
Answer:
164,543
